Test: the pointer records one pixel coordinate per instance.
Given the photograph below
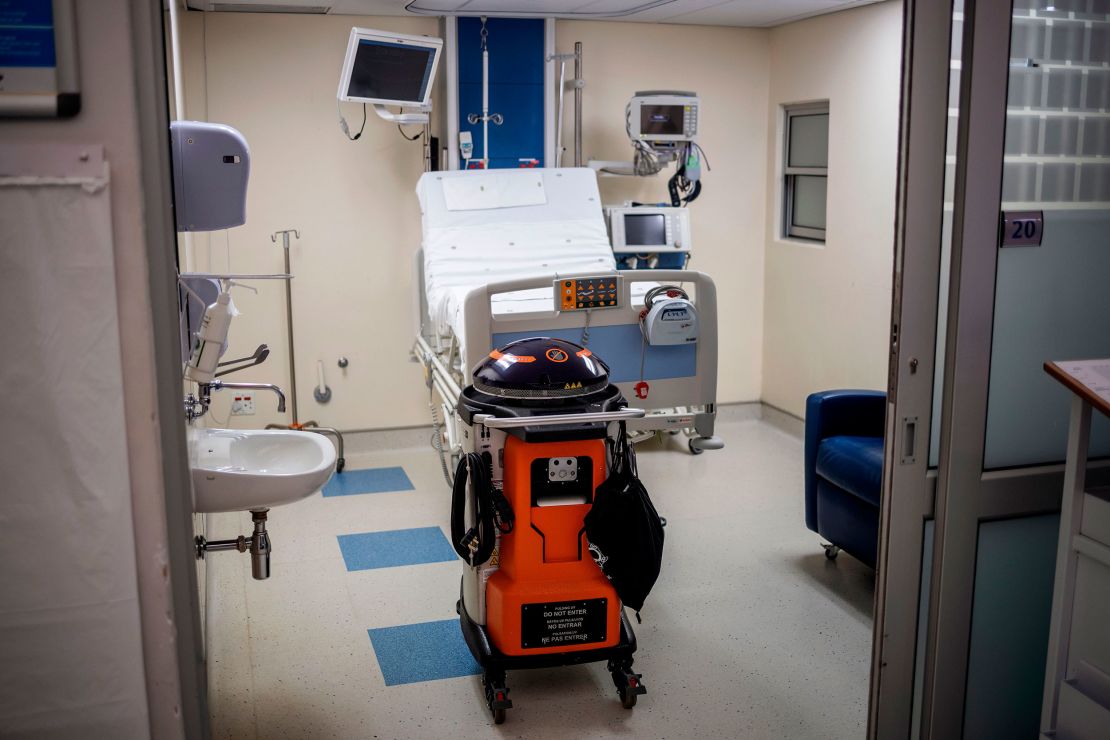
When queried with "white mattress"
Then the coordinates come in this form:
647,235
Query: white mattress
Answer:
494,225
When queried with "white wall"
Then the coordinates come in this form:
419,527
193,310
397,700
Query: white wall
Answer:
827,308
729,68
274,78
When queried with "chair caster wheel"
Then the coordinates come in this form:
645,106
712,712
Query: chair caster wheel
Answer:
694,449
831,551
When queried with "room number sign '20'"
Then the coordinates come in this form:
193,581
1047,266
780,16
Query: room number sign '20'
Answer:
1022,228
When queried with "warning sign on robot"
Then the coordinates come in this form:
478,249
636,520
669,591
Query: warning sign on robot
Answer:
562,623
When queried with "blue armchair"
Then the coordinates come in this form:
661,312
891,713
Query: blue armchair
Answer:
844,469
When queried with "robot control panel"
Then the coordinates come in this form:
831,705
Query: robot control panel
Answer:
582,293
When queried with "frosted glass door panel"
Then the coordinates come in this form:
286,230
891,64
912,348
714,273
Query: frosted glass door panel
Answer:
1052,302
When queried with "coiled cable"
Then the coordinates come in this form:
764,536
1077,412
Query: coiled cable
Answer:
475,545
437,441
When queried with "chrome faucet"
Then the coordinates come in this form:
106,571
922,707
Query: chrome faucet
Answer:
196,406
206,390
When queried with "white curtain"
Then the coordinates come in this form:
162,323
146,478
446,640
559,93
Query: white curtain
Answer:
70,643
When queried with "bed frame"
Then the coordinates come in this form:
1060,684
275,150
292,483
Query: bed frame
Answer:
682,379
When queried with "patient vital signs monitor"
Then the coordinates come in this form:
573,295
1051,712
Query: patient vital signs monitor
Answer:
386,68
643,229
658,116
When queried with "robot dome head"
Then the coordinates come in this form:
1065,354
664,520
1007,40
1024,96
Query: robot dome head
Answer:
541,367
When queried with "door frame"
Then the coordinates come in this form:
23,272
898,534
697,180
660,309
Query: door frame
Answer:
152,105
923,124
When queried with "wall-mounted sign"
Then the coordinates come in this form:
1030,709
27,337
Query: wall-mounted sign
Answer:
38,59
1022,228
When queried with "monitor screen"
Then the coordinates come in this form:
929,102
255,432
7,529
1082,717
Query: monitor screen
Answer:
645,230
391,71
661,119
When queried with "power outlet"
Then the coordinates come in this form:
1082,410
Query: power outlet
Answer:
242,405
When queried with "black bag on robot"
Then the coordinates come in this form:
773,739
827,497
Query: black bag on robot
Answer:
624,530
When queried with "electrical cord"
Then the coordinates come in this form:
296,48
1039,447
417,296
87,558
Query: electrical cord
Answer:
437,441
407,137
651,295
683,190
343,122
475,546
704,156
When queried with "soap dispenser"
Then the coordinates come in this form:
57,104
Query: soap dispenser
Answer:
211,336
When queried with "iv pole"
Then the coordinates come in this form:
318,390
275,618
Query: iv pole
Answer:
485,116
308,426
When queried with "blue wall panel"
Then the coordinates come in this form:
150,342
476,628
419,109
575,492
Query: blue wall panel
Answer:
516,67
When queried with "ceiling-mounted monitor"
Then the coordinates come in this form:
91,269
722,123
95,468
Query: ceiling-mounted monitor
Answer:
385,68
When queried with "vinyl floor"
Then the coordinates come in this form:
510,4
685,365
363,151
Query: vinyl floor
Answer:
749,633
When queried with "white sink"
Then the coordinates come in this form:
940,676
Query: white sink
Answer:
242,469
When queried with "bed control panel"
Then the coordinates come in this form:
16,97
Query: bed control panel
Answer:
583,293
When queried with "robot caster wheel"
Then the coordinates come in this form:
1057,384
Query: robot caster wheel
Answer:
629,685
497,695
831,551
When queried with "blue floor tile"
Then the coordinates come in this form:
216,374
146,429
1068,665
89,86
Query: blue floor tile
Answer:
395,547
422,652
372,480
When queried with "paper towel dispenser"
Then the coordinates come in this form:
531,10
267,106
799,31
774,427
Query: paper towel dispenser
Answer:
211,166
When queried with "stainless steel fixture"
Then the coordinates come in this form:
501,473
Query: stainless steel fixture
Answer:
258,544
196,405
216,385
297,424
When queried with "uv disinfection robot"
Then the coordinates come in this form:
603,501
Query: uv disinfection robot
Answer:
537,418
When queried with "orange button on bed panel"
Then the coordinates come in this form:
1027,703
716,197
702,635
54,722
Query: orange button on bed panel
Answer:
568,294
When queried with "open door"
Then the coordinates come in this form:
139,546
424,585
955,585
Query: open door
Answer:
1016,206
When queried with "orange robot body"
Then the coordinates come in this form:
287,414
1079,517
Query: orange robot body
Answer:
548,595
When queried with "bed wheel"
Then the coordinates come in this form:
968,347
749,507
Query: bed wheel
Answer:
699,445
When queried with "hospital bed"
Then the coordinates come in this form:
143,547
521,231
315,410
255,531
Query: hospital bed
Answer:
495,245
